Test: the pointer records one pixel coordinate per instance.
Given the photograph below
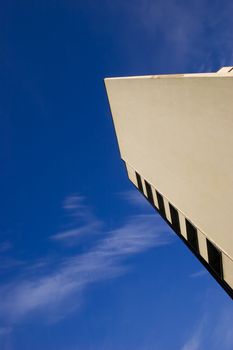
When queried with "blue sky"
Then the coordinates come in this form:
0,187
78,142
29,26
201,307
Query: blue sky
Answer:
85,261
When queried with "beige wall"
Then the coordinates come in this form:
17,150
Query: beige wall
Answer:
177,131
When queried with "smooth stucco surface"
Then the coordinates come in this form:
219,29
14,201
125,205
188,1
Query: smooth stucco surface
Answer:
177,131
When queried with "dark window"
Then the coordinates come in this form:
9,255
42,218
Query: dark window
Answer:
175,219
192,235
149,193
215,258
139,181
161,204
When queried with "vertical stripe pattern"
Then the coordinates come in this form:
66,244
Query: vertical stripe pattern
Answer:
210,255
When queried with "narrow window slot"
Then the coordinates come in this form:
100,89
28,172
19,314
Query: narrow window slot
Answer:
149,193
215,258
161,204
139,182
192,235
175,218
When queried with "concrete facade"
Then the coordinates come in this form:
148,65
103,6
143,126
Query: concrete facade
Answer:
175,134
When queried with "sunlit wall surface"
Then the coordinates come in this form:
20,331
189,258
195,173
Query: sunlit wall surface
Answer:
175,134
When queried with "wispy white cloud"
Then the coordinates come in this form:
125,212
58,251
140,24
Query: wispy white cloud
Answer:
194,342
180,35
7,263
223,330
199,273
84,222
134,198
67,235
213,330
76,207
74,274
74,202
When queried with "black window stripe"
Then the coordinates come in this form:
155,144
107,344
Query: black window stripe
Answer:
149,193
192,237
139,182
161,203
174,218
215,258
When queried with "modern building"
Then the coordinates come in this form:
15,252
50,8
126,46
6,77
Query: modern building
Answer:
175,134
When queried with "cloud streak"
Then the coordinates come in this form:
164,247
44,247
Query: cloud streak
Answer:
194,342
181,35
105,260
199,273
208,334
77,232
